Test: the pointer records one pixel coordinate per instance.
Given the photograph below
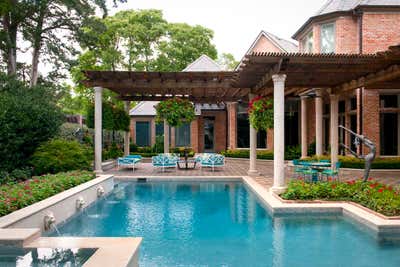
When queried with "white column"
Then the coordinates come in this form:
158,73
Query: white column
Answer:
318,123
126,134
98,103
279,132
398,128
166,137
334,129
304,145
253,147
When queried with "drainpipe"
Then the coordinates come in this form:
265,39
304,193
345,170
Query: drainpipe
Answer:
359,14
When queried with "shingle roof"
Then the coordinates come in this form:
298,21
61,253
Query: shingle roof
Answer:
285,45
203,63
346,5
144,108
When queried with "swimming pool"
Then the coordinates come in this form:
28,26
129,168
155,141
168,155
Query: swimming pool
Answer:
223,224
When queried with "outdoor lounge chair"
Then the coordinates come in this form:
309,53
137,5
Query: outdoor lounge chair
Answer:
129,161
212,161
164,161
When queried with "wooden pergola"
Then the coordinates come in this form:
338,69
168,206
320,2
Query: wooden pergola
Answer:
277,74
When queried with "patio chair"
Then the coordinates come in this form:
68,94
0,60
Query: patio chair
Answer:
129,161
333,173
298,169
164,161
212,161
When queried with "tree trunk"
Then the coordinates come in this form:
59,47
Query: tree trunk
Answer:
11,44
37,45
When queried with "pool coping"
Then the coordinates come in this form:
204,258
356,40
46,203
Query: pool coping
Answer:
16,228
382,226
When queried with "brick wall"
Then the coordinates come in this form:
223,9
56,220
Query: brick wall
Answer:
220,129
380,31
194,135
371,117
347,40
232,125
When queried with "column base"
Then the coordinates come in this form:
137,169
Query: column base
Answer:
278,189
99,172
253,173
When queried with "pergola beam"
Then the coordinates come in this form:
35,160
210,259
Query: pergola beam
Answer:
214,99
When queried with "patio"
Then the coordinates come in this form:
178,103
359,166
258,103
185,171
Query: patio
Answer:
239,167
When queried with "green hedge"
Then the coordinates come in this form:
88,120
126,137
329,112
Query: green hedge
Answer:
354,163
59,155
371,194
290,153
20,195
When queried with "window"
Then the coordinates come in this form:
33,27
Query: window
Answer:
308,42
243,130
353,103
328,38
159,129
143,133
182,135
388,101
389,134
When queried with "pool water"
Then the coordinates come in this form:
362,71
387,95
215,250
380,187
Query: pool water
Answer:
223,224
43,257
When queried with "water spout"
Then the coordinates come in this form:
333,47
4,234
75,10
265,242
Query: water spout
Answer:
80,203
100,191
49,220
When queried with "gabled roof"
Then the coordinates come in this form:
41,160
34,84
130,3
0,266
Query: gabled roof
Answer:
203,63
339,6
144,108
283,45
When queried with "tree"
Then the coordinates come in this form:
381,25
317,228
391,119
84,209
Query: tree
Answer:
183,45
28,117
227,61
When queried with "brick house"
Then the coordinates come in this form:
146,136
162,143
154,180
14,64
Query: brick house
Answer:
340,26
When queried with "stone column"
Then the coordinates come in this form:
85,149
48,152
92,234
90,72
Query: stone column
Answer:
304,144
279,133
98,103
166,137
318,123
334,129
253,147
126,134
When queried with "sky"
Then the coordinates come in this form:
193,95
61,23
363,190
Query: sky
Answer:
235,23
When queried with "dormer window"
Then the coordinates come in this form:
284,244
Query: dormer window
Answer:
308,43
328,38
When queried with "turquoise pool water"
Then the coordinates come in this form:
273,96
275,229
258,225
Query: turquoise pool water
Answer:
223,224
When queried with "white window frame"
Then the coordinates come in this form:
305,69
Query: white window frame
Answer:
334,37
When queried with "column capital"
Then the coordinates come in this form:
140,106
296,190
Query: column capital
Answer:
279,78
98,89
333,97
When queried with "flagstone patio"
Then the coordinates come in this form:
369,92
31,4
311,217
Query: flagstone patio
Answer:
239,167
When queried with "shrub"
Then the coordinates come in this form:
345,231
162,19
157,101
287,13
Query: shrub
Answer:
261,113
28,117
371,194
113,152
291,152
72,131
20,195
355,163
114,118
133,147
60,155
181,151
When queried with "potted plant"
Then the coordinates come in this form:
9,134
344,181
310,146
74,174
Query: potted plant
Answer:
261,113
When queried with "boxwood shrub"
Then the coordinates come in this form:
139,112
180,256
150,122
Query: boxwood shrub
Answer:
19,195
60,155
355,163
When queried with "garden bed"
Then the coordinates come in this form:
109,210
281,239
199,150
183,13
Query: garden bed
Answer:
371,194
19,195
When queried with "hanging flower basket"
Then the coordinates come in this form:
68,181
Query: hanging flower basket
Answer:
261,113
176,111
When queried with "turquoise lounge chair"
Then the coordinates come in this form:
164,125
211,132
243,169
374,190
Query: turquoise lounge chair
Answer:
164,161
298,169
212,161
129,161
334,173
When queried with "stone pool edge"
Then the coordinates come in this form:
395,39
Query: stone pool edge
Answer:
23,227
382,226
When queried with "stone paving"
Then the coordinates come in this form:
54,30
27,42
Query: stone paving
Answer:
239,167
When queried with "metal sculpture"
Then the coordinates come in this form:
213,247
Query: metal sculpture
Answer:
369,158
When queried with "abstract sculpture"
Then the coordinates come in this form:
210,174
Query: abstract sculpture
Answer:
369,158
